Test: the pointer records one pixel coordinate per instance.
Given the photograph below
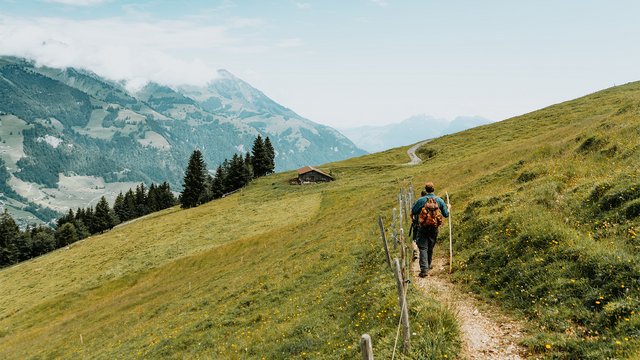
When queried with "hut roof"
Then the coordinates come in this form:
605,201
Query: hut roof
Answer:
307,169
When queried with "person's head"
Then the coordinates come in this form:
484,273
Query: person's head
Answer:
423,193
429,188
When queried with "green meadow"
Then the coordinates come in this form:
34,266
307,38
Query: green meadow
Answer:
546,211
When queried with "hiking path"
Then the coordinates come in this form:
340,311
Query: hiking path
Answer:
415,160
486,332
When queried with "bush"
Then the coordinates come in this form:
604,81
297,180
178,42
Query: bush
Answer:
632,210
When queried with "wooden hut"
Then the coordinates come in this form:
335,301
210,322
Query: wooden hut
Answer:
309,174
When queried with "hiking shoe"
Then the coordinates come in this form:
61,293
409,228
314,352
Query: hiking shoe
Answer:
422,274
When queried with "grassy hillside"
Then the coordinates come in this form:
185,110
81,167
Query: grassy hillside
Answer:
276,271
546,214
547,220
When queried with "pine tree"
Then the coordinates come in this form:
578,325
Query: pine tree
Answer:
129,205
259,158
236,176
166,198
217,185
9,231
43,240
141,201
90,221
153,203
119,208
65,235
69,217
248,162
194,185
103,216
271,156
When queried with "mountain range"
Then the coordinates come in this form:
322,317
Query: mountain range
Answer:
69,136
409,131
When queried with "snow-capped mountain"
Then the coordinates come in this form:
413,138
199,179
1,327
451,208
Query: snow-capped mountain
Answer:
68,136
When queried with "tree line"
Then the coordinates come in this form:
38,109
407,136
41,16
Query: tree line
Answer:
17,245
200,187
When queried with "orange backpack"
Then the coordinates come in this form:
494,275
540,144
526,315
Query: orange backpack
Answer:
430,215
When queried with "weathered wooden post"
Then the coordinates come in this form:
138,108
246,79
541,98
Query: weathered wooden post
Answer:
404,310
384,241
400,211
366,348
404,199
403,255
395,230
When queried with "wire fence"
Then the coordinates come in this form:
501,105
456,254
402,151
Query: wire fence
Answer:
400,267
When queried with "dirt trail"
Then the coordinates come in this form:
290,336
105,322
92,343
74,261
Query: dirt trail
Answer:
486,334
415,160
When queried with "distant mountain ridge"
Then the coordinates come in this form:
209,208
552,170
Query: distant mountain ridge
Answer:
64,132
409,131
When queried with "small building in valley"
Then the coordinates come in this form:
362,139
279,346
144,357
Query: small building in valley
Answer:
309,174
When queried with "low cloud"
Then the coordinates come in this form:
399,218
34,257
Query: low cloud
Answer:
77,2
289,43
380,2
168,52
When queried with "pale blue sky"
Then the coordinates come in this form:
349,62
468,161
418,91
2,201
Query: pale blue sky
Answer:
347,63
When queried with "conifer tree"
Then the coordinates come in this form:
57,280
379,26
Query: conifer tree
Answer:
43,240
119,208
103,216
247,160
90,220
166,198
9,231
152,203
69,217
194,185
217,185
259,158
66,234
271,156
141,201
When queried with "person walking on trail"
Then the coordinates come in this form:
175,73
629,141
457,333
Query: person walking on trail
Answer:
414,231
428,212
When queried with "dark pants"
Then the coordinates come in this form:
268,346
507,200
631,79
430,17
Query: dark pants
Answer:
426,241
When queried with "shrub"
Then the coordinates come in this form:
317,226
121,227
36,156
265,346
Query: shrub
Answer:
633,209
591,144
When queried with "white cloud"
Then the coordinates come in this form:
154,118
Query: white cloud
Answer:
380,2
302,5
160,51
289,43
77,2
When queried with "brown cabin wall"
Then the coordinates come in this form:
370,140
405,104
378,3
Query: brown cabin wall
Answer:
313,177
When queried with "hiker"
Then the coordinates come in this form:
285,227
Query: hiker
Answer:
414,231
427,212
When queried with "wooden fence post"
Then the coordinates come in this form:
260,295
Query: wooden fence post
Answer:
395,230
402,300
384,241
366,348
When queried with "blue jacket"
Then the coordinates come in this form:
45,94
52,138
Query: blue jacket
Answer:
417,207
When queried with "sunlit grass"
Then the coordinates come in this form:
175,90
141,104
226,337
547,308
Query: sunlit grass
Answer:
545,225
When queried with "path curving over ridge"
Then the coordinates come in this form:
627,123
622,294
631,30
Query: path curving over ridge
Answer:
415,160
